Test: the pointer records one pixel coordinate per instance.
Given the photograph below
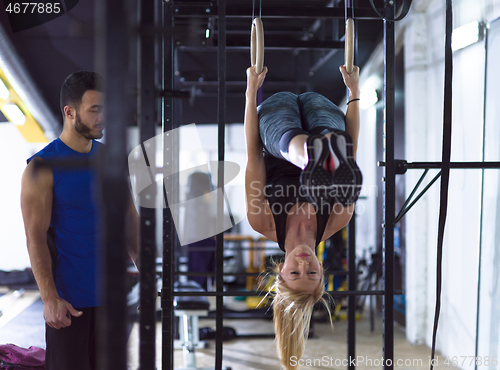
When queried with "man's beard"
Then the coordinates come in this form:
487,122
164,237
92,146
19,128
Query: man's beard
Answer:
84,130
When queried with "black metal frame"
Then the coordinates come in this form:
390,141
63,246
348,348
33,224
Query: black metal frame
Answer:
205,10
221,122
169,12
156,101
402,166
167,293
393,167
390,190
111,51
147,107
170,239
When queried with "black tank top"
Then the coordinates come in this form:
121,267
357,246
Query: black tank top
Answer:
282,194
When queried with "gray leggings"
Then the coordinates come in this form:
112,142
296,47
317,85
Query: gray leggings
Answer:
286,115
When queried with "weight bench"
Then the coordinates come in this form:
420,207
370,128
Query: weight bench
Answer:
188,309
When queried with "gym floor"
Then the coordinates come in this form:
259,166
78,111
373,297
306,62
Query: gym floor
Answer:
328,348
22,323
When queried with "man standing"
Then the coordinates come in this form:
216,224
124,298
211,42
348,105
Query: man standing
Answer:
61,218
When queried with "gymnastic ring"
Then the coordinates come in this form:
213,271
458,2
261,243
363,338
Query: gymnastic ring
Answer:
257,45
349,45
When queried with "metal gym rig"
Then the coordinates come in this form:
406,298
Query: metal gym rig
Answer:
119,29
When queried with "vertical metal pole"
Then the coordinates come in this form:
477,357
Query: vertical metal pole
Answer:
112,61
169,235
351,301
146,105
481,220
221,121
390,188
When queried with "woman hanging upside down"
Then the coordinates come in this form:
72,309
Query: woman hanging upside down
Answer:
301,185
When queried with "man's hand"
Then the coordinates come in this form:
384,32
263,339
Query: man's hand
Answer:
57,313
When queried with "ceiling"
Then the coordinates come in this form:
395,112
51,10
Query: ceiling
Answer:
301,49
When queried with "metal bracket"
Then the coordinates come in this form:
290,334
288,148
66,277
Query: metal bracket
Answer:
401,166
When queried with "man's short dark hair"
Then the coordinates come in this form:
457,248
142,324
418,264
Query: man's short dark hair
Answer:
75,86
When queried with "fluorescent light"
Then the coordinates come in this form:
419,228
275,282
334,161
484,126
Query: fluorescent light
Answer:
207,33
466,35
23,84
14,114
368,97
4,91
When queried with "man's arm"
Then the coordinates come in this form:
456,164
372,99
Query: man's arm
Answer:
36,206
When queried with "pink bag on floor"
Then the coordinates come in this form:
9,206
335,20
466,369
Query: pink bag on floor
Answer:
14,357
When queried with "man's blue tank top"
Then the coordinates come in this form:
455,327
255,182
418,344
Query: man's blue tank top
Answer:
75,219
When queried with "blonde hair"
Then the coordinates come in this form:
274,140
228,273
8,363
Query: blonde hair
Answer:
292,312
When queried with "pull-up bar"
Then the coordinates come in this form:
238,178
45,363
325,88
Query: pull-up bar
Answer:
402,165
201,10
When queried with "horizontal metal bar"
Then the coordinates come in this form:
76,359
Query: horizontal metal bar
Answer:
189,273
242,315
238,11
249,293
462,165
254,336
212,249
282,43
459,165
239,44
360,293
244,83
233,49
269,33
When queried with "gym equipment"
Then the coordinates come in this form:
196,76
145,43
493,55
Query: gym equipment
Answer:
189,309
349,45
257,45
257,41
